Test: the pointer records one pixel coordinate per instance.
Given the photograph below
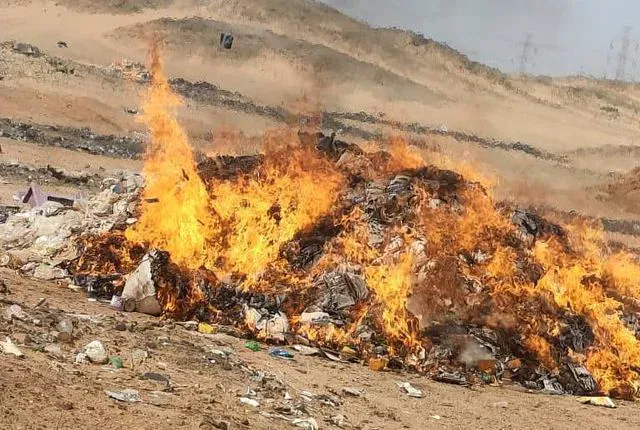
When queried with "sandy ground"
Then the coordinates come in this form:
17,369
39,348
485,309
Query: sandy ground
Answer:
298,58
46,390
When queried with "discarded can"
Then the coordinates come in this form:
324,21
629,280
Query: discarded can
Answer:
281,353
117,303
253,346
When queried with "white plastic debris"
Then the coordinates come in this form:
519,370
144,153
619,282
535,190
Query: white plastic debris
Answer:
306,350
81,358
9,348
410,389
126,395
307,396
352,392
139,292
338,421
598,401
96,352
41,234
15,312
250,402
306,423
271,327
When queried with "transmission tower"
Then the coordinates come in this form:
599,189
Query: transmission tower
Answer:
527,48
624,54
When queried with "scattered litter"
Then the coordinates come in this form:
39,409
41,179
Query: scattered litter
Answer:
96,352
378,364
331,355
501,405
451,378
126,395
49,273
348,352
253,346
306,423
226,40
551,387
138,356
205,328
328,400
281,353
82,358
220,353
598,401
250,402
410,389
116,362
10,348
352,392
15,312
117,303
65,330
435,417
307,396
338,421
583,377
287,396
306,350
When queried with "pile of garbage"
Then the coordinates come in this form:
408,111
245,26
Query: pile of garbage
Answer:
38,241
413,268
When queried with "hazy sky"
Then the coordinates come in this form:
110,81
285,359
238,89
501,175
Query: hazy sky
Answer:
568,36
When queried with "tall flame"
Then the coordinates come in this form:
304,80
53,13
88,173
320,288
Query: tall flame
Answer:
175,215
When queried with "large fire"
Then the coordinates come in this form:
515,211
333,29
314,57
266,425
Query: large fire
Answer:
429,248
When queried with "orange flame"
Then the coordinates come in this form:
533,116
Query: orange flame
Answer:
238,227
175,210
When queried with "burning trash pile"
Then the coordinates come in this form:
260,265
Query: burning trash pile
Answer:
373,257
